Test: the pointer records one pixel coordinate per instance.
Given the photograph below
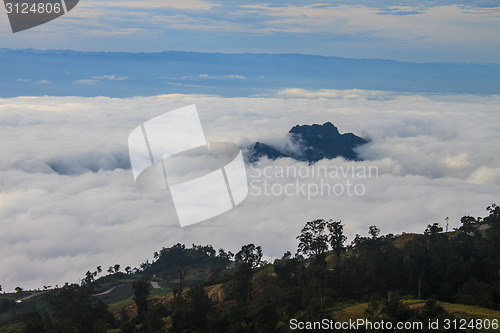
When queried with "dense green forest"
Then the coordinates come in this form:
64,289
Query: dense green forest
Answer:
380,278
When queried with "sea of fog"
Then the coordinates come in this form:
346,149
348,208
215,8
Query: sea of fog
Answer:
68,201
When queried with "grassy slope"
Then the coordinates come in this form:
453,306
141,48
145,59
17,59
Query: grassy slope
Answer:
216,293
458,310
15,328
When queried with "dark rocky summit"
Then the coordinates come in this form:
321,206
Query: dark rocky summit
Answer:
312,143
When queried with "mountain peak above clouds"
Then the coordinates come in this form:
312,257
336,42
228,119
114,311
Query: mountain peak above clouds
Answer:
311,143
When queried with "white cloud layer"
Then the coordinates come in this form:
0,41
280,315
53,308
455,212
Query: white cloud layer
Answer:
437,157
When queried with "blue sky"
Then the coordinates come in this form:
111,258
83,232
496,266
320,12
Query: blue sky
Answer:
417,31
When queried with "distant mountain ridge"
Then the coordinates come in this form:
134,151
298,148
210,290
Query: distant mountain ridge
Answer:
30,72
312,143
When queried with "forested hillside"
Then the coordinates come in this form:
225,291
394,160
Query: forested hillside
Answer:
390,278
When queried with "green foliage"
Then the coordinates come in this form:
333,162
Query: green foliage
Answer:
249,258
249,255
141,292
463,266
155,322
432,310
73,309
14,328
474,292
336,238
313,240
168,260
316,237
374,231
195,313
394,308
433,230
6,304
34,323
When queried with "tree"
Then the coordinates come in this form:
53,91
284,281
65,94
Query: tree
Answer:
145,265
141,293
468,224
199,306
373,231
417,261
286,270
155,323
33,323
476,292
494,217
89,278
128,269
178,290
433,229
336,238
394,307
116,268
313,240
249,258
76,310
250,255
432,309
225,255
